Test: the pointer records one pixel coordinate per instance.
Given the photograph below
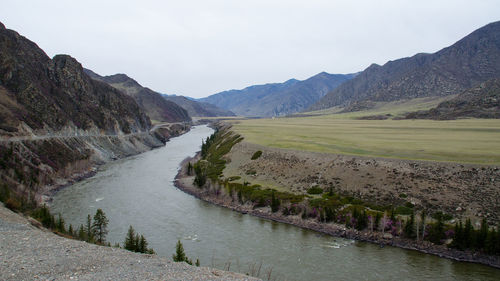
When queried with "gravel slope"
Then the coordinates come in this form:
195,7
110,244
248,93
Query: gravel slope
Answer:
29,253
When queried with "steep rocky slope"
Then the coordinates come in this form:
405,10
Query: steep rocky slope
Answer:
155,106
278,99
482,101
56,122
198,108
470,61
41,94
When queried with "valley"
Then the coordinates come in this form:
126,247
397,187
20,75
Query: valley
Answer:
404,155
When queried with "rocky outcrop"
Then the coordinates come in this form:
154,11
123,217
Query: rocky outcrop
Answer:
38,93
479,102
155,106
56,122
470,61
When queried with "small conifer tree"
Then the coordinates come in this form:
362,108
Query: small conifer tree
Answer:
100,226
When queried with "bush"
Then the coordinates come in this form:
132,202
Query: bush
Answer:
256,155
403,210
315,190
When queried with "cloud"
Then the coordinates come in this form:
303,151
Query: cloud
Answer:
197,48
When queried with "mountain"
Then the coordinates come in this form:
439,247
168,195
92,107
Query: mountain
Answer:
56,122
155,106
38,93
482,101
277,99
198,108
470,61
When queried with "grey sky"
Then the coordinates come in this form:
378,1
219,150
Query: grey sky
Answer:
198,48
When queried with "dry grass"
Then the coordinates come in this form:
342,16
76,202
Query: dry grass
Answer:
395,108
466,141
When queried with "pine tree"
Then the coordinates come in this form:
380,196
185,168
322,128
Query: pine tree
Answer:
436,233
60,224
197,262
467,234
458,238
409,229
143,245
179,255
88,231
100,226
81,233
490,244
129,243
71,231
136,242
482,235
275,203
422,216
189,169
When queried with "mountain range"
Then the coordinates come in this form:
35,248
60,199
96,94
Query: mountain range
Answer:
40,94
277,99
155,106
452,70
198,108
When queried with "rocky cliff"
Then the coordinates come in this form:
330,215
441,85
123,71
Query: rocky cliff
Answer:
155,106
470,61
57,122
482,101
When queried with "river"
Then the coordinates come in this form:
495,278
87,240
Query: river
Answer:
139,191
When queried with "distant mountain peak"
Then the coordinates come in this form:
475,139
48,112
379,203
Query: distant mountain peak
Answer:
470,61
277,99
155,106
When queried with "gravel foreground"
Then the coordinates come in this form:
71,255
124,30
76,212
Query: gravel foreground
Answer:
30,253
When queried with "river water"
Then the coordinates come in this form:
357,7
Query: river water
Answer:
139,191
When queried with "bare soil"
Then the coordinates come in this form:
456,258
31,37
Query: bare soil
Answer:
464,191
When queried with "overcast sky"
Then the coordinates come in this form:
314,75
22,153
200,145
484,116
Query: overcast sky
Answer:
198,48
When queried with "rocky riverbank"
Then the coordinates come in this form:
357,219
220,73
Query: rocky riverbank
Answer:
185,183
103,149
28,252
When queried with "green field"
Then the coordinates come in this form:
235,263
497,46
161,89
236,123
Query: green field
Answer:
467,140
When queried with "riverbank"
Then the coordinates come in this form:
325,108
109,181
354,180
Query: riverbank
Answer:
185,183
75,173
28,253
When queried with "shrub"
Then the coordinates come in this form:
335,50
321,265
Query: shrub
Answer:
403,210
256,155
315,190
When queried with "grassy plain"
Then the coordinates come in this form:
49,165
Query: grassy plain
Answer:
466,141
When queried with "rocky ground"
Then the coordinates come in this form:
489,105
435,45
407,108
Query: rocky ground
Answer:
464,191
30,253
208,194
